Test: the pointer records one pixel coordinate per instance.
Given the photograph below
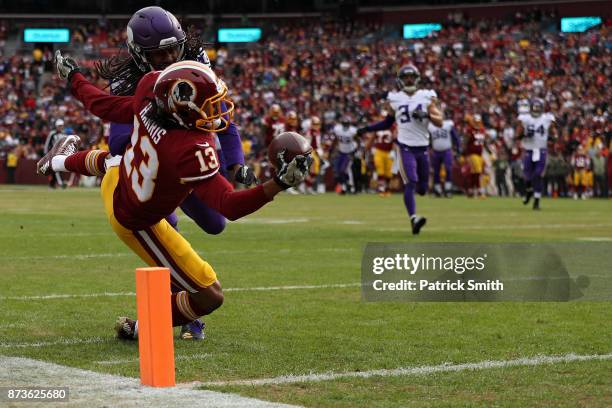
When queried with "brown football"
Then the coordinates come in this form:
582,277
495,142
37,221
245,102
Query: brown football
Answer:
287,145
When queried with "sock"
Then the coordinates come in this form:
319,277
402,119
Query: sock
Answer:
409,200
57,163
184,310
448,186
87,162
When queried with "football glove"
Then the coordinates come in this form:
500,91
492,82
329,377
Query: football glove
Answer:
293,173
245,175
420,114
66,66
362,130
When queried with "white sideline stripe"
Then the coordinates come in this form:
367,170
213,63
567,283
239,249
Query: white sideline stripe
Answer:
246,289
422,370
91,389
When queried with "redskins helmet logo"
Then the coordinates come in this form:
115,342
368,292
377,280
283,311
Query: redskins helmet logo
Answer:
183,92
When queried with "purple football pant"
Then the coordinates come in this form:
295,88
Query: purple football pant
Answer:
341,165
414,169
533,170
438,159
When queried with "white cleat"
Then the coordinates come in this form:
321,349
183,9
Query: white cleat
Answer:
66,146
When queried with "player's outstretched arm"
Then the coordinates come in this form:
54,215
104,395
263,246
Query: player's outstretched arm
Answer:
384,124
218,193
105,106
435,113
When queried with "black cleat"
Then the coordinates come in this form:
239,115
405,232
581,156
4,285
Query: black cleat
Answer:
536,203
417,223
527,198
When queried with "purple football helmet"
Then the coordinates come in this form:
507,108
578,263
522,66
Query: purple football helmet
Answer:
152,29
408,78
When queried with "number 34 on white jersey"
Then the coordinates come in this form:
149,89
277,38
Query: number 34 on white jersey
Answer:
411,131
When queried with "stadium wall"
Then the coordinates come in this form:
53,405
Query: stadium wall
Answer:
24,174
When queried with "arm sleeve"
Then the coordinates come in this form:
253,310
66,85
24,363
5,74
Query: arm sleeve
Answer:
455,139
384,124
217,193
231,145
107,107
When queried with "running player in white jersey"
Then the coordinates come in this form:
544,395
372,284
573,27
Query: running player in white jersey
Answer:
533,130
412,109
443,139
345,133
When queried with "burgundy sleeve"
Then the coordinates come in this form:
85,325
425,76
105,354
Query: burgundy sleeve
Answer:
218,194
107,107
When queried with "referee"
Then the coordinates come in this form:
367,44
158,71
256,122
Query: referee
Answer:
55,179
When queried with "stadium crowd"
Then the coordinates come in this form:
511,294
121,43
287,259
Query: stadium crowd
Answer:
486,68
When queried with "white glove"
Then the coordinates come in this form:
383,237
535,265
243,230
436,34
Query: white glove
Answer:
292,174
66,66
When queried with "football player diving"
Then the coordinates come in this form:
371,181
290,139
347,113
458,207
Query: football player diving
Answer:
155,39
171,154
412,109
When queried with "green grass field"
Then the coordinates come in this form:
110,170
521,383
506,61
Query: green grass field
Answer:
59,243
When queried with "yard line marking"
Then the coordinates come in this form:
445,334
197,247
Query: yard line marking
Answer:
114,254
88,388
59,342
271,220
180,357
422,370
506,227
294,287
595,239
245,289
68,296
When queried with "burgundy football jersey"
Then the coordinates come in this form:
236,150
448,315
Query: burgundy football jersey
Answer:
383,140
160,165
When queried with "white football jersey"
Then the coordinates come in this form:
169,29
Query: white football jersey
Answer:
441,136
410,131
536,130
346,138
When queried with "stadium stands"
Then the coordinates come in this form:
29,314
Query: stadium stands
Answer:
332,68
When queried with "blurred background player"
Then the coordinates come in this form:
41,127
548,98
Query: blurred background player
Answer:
313,135
412,109
346,146
443,139
581,164
533,131
476,137
292,122
273,124
55,179
382,146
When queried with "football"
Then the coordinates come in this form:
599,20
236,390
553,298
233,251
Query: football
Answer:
287,145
